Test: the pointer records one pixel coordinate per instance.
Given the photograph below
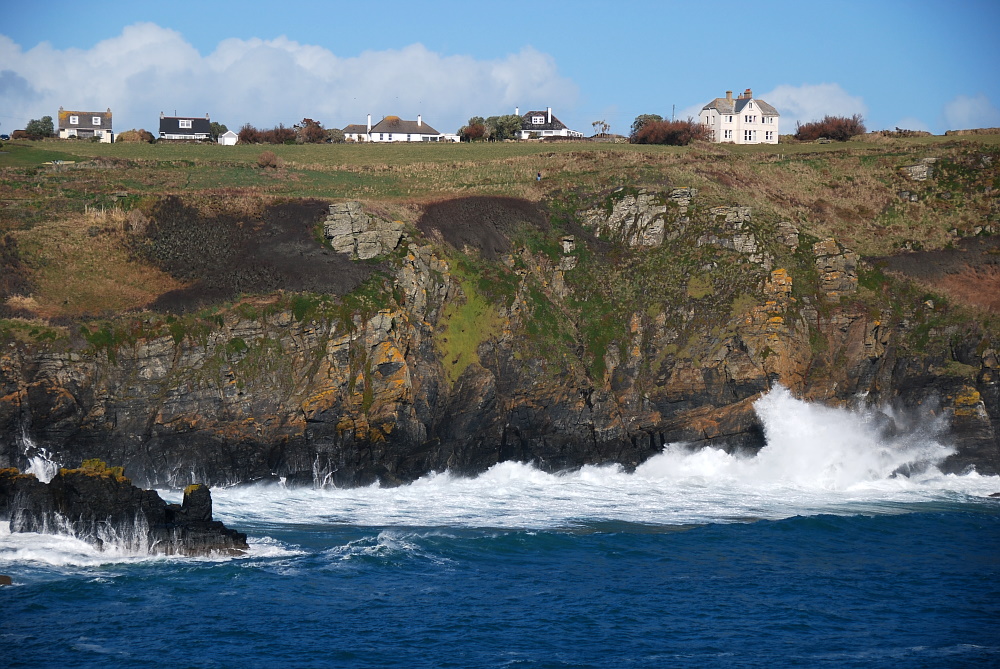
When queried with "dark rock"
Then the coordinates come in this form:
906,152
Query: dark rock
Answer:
5,580
97,504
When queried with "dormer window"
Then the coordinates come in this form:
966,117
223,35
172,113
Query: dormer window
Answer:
538,120
184,123
96,120
74,120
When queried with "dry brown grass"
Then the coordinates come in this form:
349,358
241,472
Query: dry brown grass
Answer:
976,287
82,267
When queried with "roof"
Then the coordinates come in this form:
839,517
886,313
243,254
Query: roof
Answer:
355,129
736,106
397,125
170,125
526,123
85,119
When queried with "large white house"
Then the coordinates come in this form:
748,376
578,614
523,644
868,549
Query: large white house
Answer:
395,129
740,121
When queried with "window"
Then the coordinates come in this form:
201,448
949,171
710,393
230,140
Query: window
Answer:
729,119
749,135
381,137
728,134
769,135
184,123
96,121
749,118
74,120
750,105
537,120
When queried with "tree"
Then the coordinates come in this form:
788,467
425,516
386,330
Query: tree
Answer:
504,127
335,136
39,128
249,135
216,129
309,132
643,119
601,127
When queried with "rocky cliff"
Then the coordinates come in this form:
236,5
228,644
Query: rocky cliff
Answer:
583,332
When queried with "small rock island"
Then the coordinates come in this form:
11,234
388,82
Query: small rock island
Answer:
98,504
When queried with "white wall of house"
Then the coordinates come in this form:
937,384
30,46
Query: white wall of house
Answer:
228,138
749,126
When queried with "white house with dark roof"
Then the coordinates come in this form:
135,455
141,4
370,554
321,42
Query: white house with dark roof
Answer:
185,127
85,124
744,120
395,129
541,124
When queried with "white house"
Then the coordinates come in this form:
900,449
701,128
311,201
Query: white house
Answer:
395,129
740,121
85,124
228,138
541,124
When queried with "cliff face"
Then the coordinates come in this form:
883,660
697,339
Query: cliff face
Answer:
649,320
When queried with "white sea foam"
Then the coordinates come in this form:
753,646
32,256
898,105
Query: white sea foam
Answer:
817,460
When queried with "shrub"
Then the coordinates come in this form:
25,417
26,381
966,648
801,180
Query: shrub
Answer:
839,128
309,132
249,135
278,135
268,159
673,133
135,136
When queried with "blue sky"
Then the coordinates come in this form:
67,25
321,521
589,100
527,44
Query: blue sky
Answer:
927,65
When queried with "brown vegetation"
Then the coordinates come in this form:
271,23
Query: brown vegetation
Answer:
135,136
838,128
672,133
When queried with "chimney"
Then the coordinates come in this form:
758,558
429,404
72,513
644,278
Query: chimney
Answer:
748,94
729,96
550,115
369,123
420,120
206,116
161,114
517,111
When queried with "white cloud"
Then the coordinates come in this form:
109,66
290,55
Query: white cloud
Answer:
964,113
811,102
148,69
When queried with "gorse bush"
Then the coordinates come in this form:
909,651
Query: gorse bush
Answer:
268,159
672,133
839,128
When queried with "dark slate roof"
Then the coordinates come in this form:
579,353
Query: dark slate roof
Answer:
397,125
356,129
86,119
526,123
170,125
736,105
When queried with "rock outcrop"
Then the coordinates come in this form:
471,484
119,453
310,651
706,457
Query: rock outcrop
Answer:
97,504
423,373
350,230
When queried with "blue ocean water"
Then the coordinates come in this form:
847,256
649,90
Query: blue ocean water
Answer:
816,552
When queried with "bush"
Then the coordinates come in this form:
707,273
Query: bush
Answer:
672,133
839,128
268,159
249,135
135,136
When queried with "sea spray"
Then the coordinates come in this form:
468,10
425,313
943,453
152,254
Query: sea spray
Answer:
817,460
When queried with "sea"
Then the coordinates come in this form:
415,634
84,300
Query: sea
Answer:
839,544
